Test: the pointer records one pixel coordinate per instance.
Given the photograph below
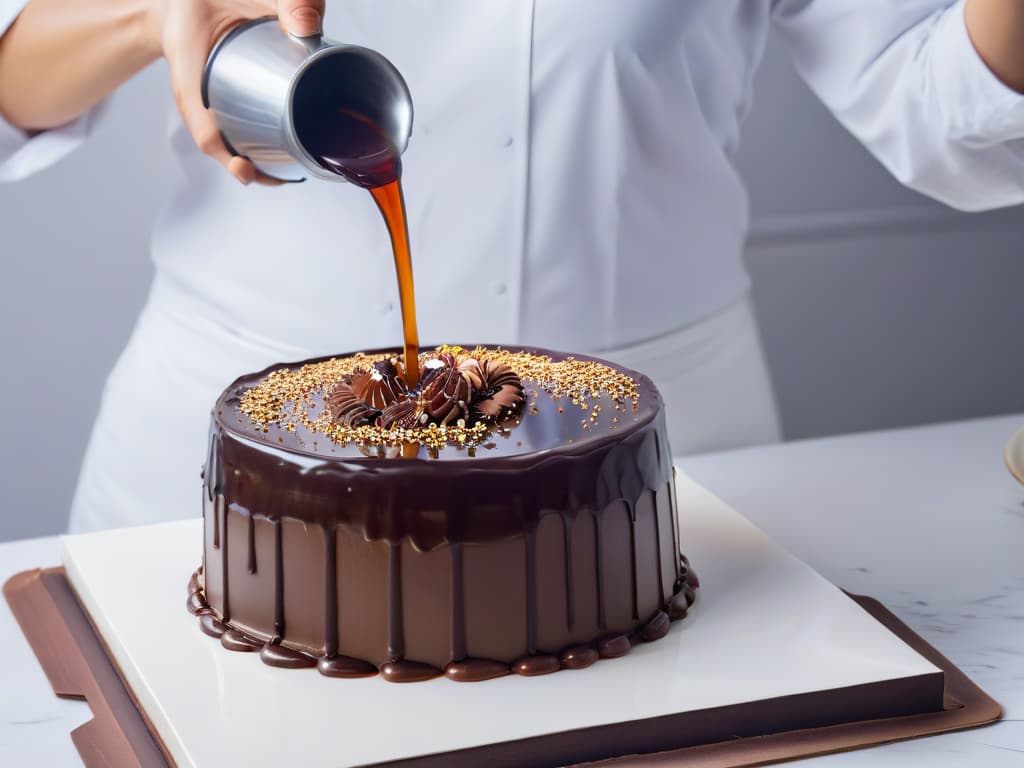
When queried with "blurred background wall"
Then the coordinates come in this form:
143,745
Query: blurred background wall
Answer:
878,307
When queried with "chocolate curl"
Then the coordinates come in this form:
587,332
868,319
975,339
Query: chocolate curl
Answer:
380,386
445,391
404,414
500,394
348,409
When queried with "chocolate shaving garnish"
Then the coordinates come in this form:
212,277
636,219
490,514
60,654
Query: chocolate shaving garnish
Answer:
380,386
348,409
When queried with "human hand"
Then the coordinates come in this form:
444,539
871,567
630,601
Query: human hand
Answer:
186,31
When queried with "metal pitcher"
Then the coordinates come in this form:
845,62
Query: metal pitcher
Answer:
254,73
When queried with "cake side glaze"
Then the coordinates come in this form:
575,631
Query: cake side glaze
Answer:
542,528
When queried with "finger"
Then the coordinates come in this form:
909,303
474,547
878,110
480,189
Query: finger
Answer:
242,169
186,58
301,17
268,181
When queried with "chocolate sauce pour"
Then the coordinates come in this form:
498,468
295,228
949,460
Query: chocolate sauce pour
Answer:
246,466
351,144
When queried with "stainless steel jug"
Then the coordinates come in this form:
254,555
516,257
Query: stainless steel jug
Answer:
266,88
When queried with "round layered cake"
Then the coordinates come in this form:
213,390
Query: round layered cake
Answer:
509,511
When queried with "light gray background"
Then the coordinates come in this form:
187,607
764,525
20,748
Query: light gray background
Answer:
878,308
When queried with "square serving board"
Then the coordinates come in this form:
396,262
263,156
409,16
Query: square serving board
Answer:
765,625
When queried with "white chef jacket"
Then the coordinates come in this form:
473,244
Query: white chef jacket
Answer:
570,183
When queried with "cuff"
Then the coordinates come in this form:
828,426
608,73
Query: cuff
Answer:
979,108
21,155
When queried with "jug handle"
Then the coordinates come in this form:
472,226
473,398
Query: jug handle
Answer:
312,43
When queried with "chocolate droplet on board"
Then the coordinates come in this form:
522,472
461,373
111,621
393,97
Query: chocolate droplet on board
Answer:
345,666
408,672
276,655
578,657
530,666
211,625
691,578
677,608
656,628
197,604
475,670
613,647
234,640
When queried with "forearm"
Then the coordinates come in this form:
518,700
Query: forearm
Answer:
61,57
996,28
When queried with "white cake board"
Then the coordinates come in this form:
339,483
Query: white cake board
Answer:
765,625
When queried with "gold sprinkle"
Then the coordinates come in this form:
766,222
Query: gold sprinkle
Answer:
287,397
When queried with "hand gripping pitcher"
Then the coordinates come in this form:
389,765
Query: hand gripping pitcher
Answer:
300,107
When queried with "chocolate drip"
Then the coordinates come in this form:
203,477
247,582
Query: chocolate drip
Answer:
657,547
217,501
330,591
631,511
591,468
210,471
278,581
531,589
672,512
458,638
396,631
465,670
252,542
602,622
570,599
226,610
460,498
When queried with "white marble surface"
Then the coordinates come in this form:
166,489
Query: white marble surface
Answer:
927,520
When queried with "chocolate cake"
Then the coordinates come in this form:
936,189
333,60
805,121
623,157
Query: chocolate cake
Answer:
513,511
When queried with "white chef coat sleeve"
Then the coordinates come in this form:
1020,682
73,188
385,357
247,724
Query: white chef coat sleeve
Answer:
904,77
22,155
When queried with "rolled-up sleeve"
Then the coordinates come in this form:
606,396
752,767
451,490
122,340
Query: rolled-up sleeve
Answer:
904,77
22,155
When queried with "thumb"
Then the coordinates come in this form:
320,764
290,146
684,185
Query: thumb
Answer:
301,17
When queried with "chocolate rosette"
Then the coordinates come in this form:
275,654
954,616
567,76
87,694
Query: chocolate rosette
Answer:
463,391
497,390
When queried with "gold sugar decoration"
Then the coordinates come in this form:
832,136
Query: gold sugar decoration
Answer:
287,397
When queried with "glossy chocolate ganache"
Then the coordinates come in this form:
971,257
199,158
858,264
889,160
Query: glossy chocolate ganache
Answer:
513,511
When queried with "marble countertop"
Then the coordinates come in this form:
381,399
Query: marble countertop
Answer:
927,520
